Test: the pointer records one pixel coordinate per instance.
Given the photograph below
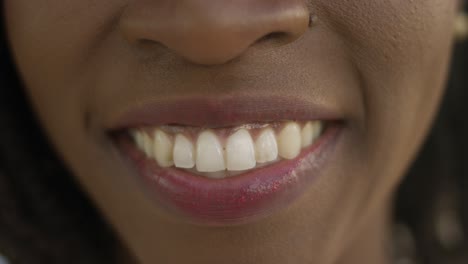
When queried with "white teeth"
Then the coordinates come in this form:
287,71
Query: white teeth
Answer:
163,149
210,156
213,152
138,138
147,143
184,152
266,149
289,141
240,152
307,135
317,128
310,133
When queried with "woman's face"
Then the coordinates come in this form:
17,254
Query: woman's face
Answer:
370,72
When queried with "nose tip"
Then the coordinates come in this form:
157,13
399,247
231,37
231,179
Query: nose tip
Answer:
214,31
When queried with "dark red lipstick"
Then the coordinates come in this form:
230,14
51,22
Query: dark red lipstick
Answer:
232,200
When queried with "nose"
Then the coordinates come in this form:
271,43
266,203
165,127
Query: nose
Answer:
213,31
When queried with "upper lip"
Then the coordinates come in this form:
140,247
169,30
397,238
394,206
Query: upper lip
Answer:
220,111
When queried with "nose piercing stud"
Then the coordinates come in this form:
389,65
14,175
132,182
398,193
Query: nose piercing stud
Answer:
312,19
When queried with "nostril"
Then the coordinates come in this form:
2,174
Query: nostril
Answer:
210,31
275,37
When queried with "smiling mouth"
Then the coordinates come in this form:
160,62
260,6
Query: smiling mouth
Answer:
212,173
226,152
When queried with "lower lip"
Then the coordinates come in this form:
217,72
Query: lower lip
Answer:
236,200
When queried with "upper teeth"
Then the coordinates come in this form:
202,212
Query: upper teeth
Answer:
240,151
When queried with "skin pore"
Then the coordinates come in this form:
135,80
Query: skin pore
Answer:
380,65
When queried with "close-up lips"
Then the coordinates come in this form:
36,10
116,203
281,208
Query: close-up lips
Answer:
226,161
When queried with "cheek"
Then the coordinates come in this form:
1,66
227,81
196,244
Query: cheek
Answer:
401,51
394,41
51,42
406,77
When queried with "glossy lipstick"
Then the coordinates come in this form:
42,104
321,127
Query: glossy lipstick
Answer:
233,200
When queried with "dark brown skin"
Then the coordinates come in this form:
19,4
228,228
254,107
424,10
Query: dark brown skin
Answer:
380,64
